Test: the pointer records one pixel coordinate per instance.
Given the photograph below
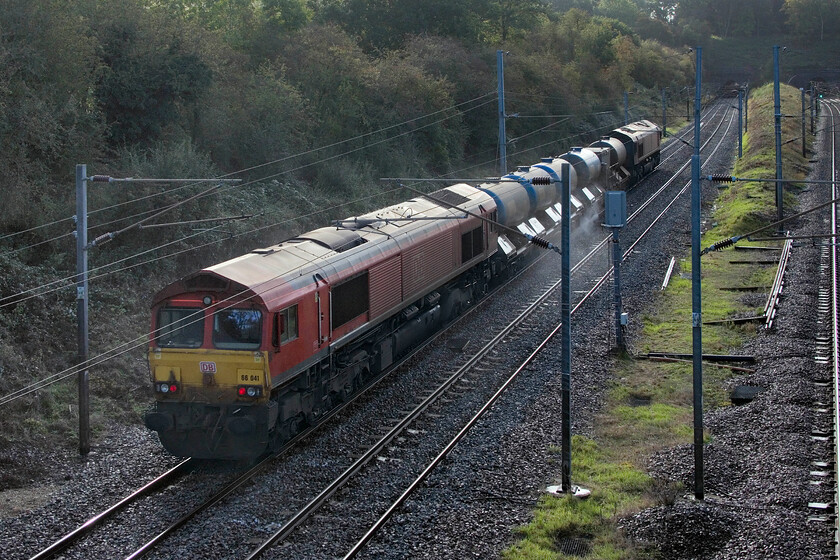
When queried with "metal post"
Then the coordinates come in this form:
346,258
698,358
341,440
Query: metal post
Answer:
626,107
619,333
817,103
500,72
777,109
746,107
82,308
696,320
664,114
802,91
740,123
566,327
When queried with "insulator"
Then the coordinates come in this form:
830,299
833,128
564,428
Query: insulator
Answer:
100,179
720,245
540,242
719,178
541,181
102,238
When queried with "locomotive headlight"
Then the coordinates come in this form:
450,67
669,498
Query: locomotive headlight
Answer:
252,391
207,300
164,388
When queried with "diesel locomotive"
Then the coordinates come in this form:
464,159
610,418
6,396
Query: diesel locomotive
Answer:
246,353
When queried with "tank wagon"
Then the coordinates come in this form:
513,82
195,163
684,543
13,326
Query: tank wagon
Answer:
246,353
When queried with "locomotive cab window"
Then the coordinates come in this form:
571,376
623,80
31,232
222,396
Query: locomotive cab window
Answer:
285,326
237,329
180,327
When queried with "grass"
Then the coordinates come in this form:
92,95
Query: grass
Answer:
649,404
619,484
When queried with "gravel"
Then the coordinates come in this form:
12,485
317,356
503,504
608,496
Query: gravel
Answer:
757,463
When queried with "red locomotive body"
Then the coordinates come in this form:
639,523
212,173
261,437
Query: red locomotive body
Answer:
245,352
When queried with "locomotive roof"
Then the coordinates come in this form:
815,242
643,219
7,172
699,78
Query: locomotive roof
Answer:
639,126
277,270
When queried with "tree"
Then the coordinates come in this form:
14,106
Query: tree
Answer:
48,119
727,19
812,17
251,117
286,15
333,75
148,79
506,16
386,24
625,11
563,6
235,20
405,93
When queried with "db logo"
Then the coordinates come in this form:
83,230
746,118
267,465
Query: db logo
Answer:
207,367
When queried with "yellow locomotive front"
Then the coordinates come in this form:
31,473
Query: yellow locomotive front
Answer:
209,371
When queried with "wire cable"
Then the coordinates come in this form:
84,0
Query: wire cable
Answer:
254,181
138,342
40,290
216,188
279,160
313,150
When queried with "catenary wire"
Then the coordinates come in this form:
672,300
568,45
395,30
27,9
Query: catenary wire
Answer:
141,341
214,189
285,158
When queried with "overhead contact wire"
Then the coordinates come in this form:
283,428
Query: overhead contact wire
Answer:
215,188
32,292
300,154
112,353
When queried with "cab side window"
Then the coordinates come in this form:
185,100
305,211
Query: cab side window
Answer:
286,328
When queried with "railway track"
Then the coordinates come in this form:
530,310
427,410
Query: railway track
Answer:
830,306
532,357
827,344
489,349
85,528
457,382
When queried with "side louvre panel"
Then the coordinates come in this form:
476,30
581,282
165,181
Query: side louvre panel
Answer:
385,286
425,263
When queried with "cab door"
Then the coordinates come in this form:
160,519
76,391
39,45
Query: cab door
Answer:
322,309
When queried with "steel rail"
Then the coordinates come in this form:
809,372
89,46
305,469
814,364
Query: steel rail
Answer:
245,477
304,513
83,529
484,409
835,328
295,521
778,286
